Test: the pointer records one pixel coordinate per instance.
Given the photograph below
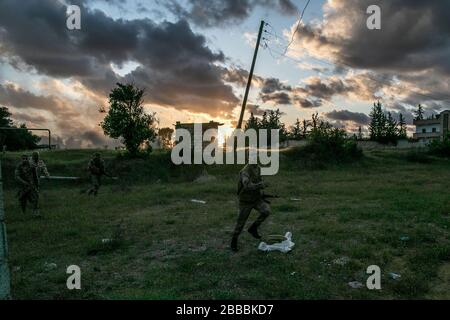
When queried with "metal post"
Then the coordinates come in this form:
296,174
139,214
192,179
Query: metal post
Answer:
5,285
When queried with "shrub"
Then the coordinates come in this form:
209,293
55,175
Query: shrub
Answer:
440,148
327,145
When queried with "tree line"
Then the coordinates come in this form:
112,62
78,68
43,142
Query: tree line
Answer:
15,140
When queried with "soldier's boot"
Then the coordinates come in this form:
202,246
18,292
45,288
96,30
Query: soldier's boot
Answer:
234,244
253,230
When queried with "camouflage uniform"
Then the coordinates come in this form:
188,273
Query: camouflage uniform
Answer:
40,167
96,169
250,197
26,176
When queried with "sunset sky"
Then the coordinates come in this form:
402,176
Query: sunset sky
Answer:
192,58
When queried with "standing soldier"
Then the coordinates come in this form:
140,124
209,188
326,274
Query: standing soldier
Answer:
39,165
28,181
96,169
250,197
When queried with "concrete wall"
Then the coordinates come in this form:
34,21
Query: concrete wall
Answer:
402,144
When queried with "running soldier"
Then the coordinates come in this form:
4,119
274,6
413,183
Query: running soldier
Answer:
28,181
250,197
96,169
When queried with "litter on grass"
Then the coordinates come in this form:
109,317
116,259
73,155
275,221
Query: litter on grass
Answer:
198,201
285,246
355,285
394,276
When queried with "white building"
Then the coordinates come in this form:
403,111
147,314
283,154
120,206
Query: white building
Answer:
431,129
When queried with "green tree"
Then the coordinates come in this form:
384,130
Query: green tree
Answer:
15,140
252,123
419,113
391,131
378,121
402,126
295,132
165,136
126,118
305,127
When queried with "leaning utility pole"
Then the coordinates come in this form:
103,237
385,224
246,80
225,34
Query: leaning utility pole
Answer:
4,270
250,76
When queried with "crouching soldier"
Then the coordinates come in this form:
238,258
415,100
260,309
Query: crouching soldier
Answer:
250,197
96,170
27,177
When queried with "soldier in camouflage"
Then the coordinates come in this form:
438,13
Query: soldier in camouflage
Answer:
39,165
27,177
250,197
96,169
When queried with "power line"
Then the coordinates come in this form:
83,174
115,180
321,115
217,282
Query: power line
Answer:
298,26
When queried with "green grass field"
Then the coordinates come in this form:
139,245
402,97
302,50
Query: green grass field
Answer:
175,249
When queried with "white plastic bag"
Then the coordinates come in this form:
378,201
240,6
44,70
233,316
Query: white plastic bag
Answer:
284,246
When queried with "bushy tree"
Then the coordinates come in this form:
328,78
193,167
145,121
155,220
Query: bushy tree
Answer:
165,136
402,127
295,132
270,120
126,118
252,123
384,128
15,140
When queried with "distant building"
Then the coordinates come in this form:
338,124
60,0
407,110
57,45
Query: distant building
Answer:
205,126
431,129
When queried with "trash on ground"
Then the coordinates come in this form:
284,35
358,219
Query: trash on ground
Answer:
394,276
355,285
106,241
404,238
198,201
295,199
293,273
284,246
274,238
342,261
50,266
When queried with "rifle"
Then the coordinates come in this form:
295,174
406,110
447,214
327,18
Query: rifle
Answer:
265,197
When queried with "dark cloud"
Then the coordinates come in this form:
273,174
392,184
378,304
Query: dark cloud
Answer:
214,13
239,76
307,103
277,98
11,95
176,66
272,85
345,115
413,43
324,90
